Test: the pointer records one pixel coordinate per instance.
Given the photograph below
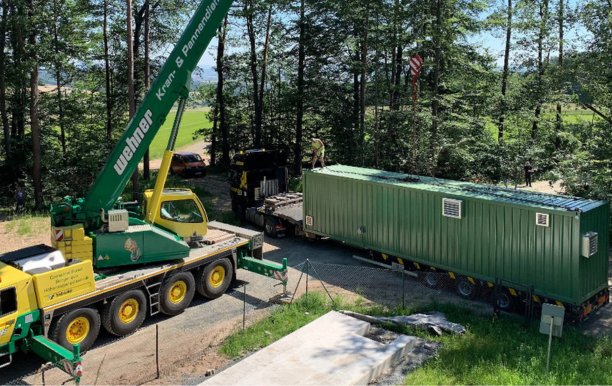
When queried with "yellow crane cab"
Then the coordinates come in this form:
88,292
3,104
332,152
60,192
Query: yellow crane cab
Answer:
180,211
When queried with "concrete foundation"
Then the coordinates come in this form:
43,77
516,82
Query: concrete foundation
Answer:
329,351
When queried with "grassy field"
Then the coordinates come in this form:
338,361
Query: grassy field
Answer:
193,120
493,351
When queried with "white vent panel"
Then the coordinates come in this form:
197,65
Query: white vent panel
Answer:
118,220
543,219
589,244
451,207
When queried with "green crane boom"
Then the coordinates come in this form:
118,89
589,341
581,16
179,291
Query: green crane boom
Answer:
173,82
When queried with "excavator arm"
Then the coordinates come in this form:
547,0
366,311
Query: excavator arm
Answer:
171,84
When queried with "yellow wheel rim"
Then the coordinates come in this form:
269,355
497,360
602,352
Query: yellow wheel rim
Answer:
178,292
217,276
77,330
128,311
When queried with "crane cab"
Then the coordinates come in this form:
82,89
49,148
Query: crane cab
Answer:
180,212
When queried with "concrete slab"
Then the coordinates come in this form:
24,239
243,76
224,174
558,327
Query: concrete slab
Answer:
329,351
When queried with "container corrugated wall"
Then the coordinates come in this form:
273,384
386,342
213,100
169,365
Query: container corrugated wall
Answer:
492,239
594,270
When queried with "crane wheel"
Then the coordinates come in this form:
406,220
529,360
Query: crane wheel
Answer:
125,313
214,279
176,293
77,326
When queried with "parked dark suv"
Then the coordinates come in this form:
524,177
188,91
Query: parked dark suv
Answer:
188,165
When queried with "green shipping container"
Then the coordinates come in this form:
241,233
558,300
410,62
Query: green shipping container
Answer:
558,244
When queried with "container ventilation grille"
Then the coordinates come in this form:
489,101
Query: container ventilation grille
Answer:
542,219
451,207
589,244
309,221
118,220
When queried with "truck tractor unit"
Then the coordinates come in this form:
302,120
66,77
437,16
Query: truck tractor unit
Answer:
113,263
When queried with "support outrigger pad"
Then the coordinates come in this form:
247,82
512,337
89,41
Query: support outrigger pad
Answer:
281,298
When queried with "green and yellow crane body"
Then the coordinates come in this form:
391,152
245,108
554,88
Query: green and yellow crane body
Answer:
113,263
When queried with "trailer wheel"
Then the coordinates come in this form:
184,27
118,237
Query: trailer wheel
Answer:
270,228
80,326
214,279
431,279
176,293
465,288
125,313
505,302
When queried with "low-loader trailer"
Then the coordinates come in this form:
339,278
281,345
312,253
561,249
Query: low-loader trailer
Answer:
516,246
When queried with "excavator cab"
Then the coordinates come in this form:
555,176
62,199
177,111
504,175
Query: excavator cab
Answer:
180,211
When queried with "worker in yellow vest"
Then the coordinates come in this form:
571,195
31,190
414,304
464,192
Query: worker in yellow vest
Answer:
318,149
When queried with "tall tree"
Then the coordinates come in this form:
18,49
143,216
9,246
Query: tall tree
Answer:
299,121
504,85
560,67
107,75
3,110
147,73
130,84
542,35
34,121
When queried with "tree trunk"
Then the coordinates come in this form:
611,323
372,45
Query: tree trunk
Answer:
147,75
225,158
362,97
300,94
248,9
34,122
264,63
541,35
559,120
107,76
504,85
3,112
435,102
58,78
131,95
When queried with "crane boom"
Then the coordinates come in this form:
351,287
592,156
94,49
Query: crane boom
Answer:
173,82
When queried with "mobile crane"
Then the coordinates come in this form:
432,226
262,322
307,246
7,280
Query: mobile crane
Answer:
114,262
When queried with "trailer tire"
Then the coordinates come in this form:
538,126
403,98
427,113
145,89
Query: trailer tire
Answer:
176,293
214,279
431,279
505,301
465,288
270,228
125,313
80,326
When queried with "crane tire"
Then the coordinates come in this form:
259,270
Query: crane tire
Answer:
80,326
176,293
125,313
215,278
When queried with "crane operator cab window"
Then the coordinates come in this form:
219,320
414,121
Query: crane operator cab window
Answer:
185,211
8,301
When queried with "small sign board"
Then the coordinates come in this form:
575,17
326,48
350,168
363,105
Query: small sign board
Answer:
552,316
397,266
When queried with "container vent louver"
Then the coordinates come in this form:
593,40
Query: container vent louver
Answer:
542,219
451,207
589,244
309,221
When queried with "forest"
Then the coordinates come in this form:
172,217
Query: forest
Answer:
73,71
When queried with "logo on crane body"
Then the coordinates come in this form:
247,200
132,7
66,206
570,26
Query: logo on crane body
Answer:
133,142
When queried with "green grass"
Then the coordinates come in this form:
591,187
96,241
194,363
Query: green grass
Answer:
191,122
28,225
493,351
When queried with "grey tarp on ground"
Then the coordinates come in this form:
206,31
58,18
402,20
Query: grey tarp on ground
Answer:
432,320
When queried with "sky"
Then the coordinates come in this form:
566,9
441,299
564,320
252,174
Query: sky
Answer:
495,45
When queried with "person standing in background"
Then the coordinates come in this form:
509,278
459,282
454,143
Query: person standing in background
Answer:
19,199
318,149
527,173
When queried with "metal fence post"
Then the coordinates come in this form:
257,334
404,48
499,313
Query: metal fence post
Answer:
244,309
157,348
